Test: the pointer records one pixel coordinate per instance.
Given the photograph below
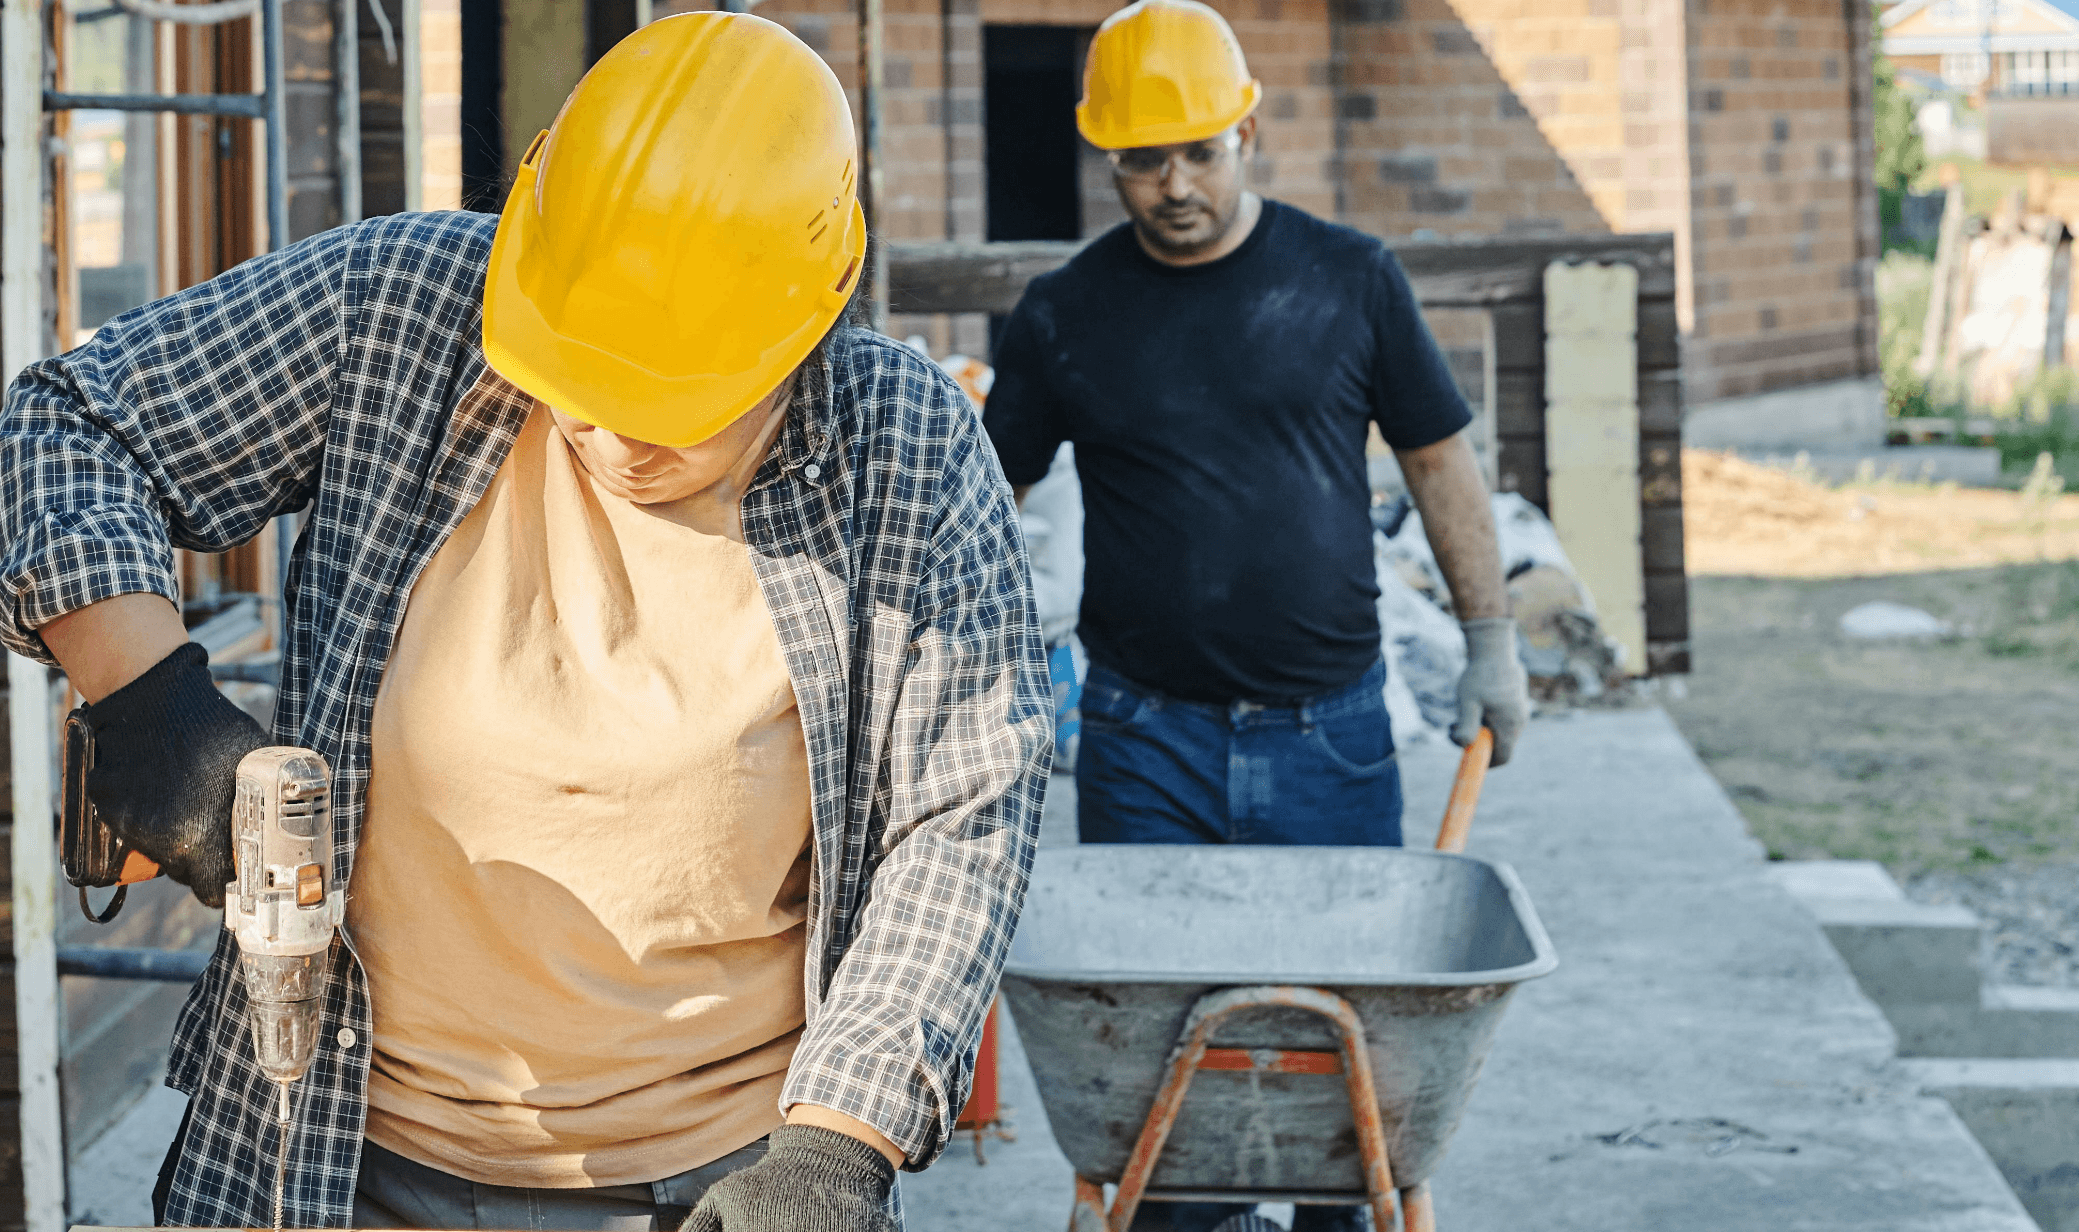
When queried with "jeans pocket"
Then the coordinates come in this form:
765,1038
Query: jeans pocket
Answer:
1359,741
1106,705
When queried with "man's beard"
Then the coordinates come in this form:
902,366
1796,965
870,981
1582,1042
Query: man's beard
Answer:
1196,207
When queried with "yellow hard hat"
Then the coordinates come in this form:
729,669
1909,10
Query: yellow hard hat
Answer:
1163,72
683,235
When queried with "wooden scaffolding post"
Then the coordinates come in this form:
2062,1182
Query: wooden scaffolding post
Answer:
37,1129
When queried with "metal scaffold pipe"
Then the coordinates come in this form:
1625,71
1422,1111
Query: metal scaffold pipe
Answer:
871,183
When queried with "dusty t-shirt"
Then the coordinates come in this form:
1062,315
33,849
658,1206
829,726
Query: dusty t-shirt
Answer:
580,890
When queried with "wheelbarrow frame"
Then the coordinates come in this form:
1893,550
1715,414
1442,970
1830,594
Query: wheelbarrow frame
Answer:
1192,1054
1409,1209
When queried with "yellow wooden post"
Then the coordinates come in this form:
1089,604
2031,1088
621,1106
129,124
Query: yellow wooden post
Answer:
1592,440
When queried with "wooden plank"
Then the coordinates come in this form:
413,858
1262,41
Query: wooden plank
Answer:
960,277
1660,336
1660,403
1520,468
1660,471
1519,402
1667,604
32,1139
34,888
1485,272
946,276
1519,336
1660,543
1667,658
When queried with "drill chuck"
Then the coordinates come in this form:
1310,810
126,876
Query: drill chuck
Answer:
283,995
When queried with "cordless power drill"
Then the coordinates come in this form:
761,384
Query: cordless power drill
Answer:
284,907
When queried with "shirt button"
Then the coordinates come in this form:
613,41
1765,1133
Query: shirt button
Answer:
347,1038
812,470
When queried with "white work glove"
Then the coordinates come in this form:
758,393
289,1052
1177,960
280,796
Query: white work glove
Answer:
1493,692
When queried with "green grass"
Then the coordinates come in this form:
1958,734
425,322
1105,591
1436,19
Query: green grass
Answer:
1986,186
1951,754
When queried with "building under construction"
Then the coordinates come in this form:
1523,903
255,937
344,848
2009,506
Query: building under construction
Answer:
1733,138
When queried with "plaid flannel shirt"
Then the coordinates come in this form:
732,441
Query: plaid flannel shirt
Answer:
347,374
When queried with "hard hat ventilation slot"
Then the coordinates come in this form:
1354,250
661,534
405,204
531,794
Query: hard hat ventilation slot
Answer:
819,233
848,175
844,283
540,139
818,218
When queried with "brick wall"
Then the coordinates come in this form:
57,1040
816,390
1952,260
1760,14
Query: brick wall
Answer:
1733,124
1780,275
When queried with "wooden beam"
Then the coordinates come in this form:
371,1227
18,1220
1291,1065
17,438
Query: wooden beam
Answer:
38,1137
948,276
34,887
1482,273
965,277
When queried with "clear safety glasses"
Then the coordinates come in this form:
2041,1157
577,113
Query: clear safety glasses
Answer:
1194,160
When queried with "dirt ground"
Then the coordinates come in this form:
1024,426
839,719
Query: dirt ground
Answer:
1745,520
1947,756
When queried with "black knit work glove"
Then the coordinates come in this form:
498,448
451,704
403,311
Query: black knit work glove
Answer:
811,1180
166,752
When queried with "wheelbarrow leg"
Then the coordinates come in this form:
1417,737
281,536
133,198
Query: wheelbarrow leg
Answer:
1365,1117
1416,1213
1087,1215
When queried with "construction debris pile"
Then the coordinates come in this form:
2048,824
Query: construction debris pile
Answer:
1562,647
1999,304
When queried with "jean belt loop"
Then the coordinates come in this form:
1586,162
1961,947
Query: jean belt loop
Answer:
1306,717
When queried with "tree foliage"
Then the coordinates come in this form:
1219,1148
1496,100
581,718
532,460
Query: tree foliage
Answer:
1900,155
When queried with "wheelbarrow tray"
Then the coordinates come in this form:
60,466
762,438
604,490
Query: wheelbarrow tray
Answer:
1118,942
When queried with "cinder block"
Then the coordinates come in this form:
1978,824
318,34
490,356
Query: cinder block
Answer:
2026,1116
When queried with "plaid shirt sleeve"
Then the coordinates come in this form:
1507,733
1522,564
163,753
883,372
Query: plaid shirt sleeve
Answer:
188,422
967,755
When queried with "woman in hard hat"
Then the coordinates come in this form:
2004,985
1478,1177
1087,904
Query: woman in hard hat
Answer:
670,640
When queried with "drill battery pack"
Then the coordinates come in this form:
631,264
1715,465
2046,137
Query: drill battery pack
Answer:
92,855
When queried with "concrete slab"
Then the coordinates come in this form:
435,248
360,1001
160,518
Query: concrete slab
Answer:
112,1179
1828,879
1702,1059
1919,963
2027,1115
1905,953
2001,1024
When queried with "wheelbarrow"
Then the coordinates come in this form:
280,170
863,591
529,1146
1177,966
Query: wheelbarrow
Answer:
1325,1009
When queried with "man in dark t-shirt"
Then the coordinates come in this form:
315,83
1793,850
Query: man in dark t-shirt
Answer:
1217,363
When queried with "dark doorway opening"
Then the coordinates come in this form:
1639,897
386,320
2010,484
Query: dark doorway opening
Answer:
1032,77
606,22
483,114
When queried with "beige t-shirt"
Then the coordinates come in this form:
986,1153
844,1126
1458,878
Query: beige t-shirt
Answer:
581,885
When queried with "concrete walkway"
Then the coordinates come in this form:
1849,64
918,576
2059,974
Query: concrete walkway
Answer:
1701,1061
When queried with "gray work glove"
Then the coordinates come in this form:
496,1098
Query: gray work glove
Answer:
1493,691
811,1180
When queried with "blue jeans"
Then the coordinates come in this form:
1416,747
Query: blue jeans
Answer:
1158,769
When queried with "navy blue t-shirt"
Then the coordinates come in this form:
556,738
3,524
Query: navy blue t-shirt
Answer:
1219,415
